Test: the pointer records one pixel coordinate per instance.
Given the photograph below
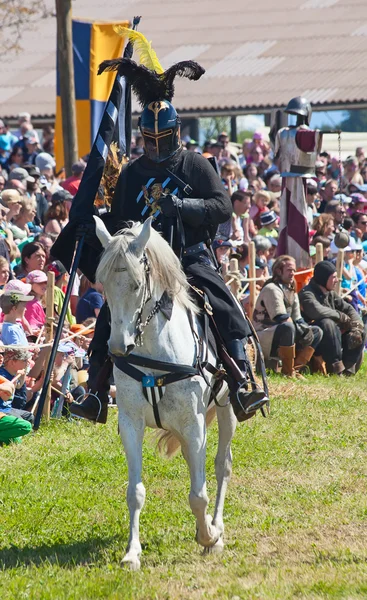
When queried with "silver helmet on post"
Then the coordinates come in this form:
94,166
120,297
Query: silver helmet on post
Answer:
301,107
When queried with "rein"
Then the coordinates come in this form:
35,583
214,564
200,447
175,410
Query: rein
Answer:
147,295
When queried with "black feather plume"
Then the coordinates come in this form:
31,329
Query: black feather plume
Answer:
148,85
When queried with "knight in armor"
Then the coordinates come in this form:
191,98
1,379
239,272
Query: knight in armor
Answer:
296,150
187,200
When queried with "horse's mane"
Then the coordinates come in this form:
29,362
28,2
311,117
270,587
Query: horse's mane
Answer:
166,271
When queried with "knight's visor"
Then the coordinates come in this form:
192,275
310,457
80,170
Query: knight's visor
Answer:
158,146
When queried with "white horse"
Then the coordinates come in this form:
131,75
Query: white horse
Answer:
136,268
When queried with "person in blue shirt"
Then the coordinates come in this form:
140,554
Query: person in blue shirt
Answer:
90,304
13,304
15,363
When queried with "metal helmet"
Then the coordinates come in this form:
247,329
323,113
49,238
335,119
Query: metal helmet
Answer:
341,239
300,106
160,127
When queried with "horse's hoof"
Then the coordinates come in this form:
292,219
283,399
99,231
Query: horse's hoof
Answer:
131,563
216,549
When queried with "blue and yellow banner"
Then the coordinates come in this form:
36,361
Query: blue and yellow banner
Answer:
92,44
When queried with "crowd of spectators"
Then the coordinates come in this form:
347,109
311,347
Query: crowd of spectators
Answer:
35,201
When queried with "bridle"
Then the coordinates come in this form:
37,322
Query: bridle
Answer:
140,325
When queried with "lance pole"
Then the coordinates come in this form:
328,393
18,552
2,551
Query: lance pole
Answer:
78,253
58,333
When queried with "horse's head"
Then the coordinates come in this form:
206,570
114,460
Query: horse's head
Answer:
123,272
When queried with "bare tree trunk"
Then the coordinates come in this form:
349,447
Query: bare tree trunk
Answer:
67,88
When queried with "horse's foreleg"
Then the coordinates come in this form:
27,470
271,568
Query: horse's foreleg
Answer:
194,451
132,438
223,467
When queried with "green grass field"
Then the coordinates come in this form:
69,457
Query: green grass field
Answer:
296,511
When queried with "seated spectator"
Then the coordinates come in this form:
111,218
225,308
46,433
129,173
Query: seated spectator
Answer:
277,319
91,303
348,224
323,225
48,142
27,213
337,211
61,280
13,304
351,172
328,191
269,221
275,183
4,272
260,201
263,247
71,184
359,231
21,175
35,192
325,242
223,250
46,164
239,226
15,159
227,173
252,175
33,257
342,344
5,149
12,428
359,203
34,312
46,242
57,215
15,363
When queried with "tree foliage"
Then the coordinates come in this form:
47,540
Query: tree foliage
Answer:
16,16
213,126
355,121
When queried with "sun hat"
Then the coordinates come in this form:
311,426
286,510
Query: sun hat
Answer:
16,285
358,199
5,143
31,137
16,297
36,276
268,217
44,160
221,243
9,197
21,175
57,267
60,196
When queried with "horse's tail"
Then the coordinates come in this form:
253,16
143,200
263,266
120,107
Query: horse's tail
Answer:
168,444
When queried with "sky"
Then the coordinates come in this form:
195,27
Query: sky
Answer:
330,118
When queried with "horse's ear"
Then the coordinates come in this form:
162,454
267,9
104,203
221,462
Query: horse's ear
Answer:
143,237
101,232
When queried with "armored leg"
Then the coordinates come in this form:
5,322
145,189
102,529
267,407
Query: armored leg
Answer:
94,407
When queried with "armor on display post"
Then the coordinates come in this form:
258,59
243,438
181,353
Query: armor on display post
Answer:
296,149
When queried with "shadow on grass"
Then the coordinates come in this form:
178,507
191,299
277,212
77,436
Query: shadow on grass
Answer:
87,552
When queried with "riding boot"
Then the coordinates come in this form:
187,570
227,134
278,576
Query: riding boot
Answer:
303,357
95,406
318,365
244,402
287,355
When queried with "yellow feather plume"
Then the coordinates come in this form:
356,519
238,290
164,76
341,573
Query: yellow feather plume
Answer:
147,55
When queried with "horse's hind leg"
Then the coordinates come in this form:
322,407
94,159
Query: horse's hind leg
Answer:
223,467
132,433
194,451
